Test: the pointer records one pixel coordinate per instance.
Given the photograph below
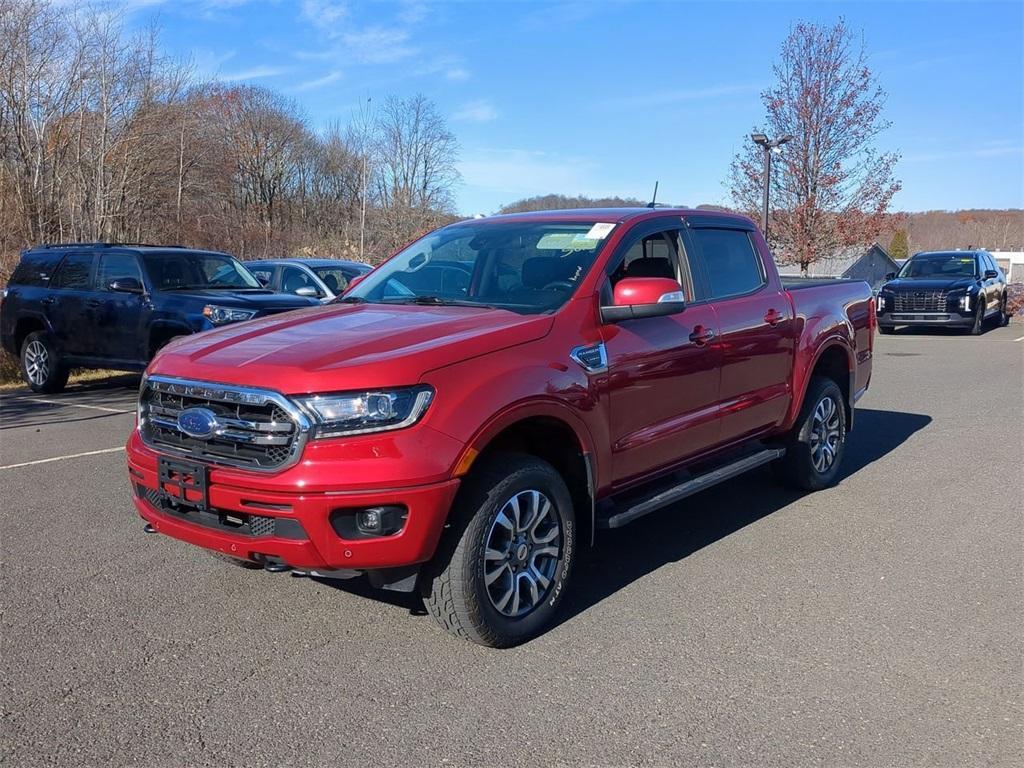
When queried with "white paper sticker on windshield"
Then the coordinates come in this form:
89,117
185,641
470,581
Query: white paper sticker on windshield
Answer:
599,231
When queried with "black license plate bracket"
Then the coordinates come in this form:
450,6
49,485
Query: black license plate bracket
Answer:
190,481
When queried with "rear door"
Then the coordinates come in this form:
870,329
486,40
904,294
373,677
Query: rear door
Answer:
756,326
662,371
69,305
119,318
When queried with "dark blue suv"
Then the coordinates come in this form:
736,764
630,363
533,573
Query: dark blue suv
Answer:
108,305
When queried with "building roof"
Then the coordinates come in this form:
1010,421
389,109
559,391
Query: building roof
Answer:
835,265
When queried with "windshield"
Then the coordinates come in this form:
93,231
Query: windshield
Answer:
526,267
191,269
940,265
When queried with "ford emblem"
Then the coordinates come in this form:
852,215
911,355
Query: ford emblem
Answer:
200,423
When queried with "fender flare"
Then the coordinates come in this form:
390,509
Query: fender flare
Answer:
830,341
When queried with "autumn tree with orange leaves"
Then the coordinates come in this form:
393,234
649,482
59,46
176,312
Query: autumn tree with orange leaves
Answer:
831,188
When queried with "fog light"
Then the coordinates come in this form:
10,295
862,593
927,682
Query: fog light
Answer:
370,521
380,521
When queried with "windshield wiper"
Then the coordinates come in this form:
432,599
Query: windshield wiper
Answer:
437,301
349,300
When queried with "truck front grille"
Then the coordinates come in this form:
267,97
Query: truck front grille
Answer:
920,301
252,428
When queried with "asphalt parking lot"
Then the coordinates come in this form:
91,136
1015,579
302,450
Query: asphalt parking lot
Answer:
874,624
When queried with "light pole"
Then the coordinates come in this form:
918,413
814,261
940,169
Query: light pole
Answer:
769,146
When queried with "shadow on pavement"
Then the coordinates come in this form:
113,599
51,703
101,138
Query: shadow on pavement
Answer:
24,408
622,556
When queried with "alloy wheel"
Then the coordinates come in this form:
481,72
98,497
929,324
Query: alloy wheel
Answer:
521,553
826,433
37,362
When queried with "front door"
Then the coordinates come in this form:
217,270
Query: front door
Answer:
662,371
757,330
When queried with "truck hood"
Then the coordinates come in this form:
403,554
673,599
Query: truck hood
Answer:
259,299
343,347
909,284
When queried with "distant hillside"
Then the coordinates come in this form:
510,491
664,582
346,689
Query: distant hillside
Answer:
996,230
559,202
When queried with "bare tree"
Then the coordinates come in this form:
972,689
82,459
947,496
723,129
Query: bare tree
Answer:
832,188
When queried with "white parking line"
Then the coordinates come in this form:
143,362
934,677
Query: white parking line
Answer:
1020,339
74,405
61,458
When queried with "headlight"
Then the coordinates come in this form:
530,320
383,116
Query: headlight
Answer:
357,413
221,315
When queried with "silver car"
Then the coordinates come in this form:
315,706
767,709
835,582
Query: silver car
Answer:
323,279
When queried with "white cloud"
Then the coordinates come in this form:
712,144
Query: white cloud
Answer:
207,63
324,14
457,74
254,73
479,111
379,45
331,77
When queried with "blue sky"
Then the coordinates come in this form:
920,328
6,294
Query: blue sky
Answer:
604,98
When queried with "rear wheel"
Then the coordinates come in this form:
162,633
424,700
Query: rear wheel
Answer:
40,365
815,445
503,566
1004,315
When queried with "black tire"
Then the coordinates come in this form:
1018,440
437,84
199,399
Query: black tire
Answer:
798,467
1004,316
454,586
886,329
979,318
41,367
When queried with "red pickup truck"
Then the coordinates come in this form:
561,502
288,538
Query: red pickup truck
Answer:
470,413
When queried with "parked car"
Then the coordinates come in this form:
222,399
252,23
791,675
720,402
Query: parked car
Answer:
110,305
323,279
599,365
960,289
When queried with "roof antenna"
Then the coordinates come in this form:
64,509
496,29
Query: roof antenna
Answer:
654,197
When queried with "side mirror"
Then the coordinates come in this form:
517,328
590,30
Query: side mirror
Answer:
263,280
354,282
990,274
308,291
125,285
637,297
890,275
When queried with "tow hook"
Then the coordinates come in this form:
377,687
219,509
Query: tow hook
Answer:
148,528
276,567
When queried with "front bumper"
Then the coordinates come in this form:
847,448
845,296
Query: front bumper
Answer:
306,539
939,319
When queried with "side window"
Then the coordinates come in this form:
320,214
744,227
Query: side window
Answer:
731,265
293,278
263,274
115,266
74,272
655,255
36,268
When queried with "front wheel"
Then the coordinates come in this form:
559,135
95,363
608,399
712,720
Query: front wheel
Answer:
815,445
503,566
979,317
40,366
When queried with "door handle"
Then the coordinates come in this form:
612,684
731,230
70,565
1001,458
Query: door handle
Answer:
48,300
92,303
772,317
701,335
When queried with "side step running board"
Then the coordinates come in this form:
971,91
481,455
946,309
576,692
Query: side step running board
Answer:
694,485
